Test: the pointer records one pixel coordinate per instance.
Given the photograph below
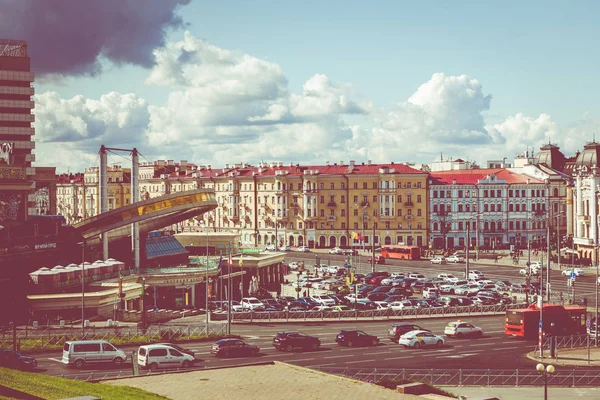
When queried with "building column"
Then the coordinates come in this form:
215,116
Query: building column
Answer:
579,231
593,212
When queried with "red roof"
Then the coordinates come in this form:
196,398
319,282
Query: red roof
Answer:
472,176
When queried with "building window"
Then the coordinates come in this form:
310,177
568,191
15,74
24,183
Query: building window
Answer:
400,199
356,199
435,194
322,199
460,208
435,226
355,185
399,212
435,208
356,225
322,213
332,185
343,185
343,225
460,194
364,185
460,226
418,198
374,199
343,199
419,212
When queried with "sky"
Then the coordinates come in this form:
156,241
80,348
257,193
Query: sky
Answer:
308,82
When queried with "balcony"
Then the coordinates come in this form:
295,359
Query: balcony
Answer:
408,204
281,191
310,191
364,204
409,217
331,204
387,190
539,213
331,218
386,216
583,241
310,218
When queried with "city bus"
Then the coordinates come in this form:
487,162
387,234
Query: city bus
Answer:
401,252
558,320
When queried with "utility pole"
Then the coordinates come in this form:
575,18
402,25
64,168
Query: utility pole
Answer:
467,251
373,250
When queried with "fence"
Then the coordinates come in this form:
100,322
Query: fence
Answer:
471,377
373,314
52,338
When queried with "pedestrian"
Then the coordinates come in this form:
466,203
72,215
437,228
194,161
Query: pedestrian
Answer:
304,294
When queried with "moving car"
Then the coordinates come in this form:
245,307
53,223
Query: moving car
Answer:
81,352
400,328
233,347
17,360
177,347
356,338
303,249
285,248
155,356
438,260
418,339
270,247
336,250
476,275
289,341
461,329
455,259
576,271
378,260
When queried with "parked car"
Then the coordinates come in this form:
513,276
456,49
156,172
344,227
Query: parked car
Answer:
303,249
400,328
340,308
418,339
252,304
378,260
272,305
461,329
233,347
430,292
323,299
476,275
353,338
155,356
285,248
289,341
455,259
448,277
270,247
350,252
438,260
401,305
81,352
17,360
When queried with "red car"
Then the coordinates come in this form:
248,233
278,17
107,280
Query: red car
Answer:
378,260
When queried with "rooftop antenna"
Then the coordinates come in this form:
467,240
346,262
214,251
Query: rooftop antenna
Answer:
441,156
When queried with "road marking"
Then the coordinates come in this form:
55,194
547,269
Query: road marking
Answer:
479,344
461,355
381,352
398,358
349,355
507,348
55,359
251,337
304,359
359,361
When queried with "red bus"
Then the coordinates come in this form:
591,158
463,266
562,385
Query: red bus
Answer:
401,252
558,320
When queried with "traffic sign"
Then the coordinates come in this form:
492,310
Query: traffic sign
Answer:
573,276
540,323
588,323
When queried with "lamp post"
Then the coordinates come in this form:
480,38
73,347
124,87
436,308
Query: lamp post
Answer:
204,227
82,288
545,370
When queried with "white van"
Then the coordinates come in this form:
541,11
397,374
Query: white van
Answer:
155,356
81,352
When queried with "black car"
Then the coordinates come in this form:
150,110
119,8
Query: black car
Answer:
377,296
272,305
339,299
464,301
381,289
289,341
400,328
297,306
400,291
356,338
233,347
17,360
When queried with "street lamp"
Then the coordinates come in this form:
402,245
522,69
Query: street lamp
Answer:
204,227
82,288
545,370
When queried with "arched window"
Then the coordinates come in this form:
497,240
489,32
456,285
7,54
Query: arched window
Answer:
555,194
435,226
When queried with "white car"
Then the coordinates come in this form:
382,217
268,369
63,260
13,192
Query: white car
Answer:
455,259
532,271
418,339
303,249
321,308
381,305
352,298
323,299
461,329
285,248
401,305
476,275
438,260
448,277
467,290
252,304
336,250
271,247
416,275
293,265
576,271
431,293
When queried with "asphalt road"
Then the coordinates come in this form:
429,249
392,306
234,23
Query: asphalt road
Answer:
494,350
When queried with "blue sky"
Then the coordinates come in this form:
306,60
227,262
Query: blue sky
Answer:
534,59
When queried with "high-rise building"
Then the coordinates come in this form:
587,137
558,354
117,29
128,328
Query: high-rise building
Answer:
17,176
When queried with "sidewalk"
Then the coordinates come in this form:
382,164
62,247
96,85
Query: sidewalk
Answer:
576,357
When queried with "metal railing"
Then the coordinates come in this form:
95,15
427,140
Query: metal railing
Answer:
49,337
470,377
372,314
569,342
